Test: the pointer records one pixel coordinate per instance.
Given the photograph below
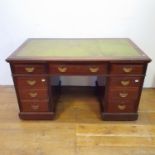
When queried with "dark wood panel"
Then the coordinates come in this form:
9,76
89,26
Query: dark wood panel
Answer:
120,116
37,115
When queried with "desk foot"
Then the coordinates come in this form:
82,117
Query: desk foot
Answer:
119,117
36,115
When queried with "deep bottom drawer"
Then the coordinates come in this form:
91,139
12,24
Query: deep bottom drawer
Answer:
116,107
35,106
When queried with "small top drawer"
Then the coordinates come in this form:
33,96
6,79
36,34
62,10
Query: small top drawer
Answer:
29,69
127,69
121,107
32,82
78,69
125,81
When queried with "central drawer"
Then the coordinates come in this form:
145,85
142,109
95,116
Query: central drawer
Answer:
78,69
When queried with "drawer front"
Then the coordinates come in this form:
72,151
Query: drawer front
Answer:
32,82
29,69
125,81
78,69
33,94
127,69
41,106
119,107
123,94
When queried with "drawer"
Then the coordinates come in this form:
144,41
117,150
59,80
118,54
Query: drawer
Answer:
28,94
29,69
123,94
127,69
78,69
40,106
32,82
125,81
119,107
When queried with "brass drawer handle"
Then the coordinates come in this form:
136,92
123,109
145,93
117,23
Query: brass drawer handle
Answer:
35,107
33,94
123,95
31,82
62,69
94,69
29,69
125,83
127,69
121,107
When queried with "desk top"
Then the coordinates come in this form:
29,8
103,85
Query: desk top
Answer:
78,49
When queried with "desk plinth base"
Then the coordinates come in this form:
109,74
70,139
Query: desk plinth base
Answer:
119,117
36,115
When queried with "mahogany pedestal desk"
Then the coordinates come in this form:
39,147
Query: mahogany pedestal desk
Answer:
119,65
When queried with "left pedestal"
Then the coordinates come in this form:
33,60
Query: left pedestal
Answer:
34,91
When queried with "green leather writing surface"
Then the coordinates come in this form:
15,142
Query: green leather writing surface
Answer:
77,48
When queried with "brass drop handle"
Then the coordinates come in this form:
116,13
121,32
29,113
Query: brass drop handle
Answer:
123,95
93,69
125,83
127,69
33,95
62,69
31,82
29,69
121,107
35,107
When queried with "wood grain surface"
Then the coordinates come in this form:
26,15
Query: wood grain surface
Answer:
77,129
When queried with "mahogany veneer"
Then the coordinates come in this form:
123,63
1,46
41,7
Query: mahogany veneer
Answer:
119,65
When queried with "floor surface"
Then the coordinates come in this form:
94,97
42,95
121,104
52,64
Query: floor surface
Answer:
77,129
